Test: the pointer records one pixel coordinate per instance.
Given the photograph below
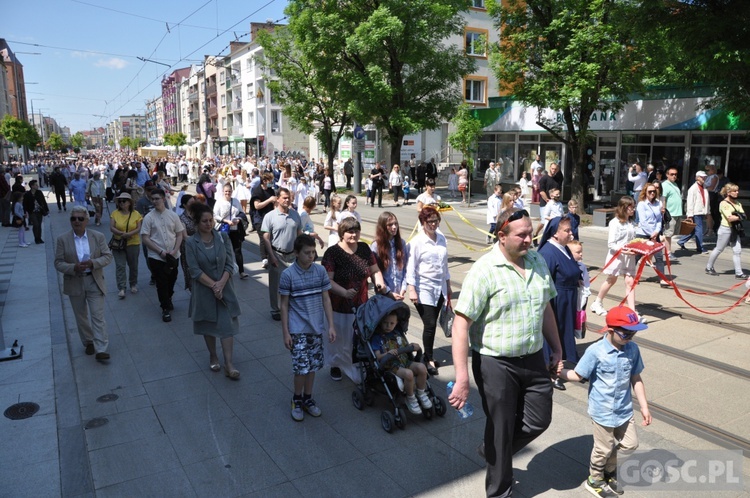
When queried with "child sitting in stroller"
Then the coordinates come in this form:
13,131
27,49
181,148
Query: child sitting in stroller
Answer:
388,342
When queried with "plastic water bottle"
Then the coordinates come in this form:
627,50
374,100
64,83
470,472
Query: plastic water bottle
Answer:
465,412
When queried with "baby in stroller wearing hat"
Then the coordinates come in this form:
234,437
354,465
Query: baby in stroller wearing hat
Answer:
394,354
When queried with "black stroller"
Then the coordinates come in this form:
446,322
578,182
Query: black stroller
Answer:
374,378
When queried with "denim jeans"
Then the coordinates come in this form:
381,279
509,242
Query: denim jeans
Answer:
697,232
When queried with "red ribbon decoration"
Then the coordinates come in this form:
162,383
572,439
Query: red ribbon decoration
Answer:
647,253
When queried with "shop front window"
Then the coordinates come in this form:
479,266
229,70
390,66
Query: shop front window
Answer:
738,170
506,154
700,157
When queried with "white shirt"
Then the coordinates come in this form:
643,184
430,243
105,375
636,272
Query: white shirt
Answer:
83,251
638,179
493,208
427,268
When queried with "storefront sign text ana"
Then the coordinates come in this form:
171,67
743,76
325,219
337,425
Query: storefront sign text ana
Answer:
595,116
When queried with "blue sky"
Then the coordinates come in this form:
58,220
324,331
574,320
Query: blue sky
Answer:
88,72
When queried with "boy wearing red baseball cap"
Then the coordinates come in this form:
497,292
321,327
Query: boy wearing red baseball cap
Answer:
612,366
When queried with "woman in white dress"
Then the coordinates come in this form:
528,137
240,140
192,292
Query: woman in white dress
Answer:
621,231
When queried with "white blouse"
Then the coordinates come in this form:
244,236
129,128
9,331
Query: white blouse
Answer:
427,268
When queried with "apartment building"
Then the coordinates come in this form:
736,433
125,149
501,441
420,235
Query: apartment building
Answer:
170,101
14,83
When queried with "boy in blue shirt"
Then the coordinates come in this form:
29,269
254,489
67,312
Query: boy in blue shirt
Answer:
612,366
305,307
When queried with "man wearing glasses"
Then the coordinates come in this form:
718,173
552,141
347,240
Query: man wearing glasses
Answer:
162,232
673,203
80,256
504,315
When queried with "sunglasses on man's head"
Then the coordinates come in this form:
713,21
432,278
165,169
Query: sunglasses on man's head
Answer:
77,218
514,217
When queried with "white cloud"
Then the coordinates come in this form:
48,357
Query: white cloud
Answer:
81,55
112,63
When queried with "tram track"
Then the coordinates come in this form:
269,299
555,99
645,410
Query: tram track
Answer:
693,426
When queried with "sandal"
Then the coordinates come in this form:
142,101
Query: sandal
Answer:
215,367
243,276
232,374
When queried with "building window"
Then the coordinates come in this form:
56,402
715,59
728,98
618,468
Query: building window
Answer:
477,4
223,123
475,90
221,77
275,122
223,101
476,42
251,118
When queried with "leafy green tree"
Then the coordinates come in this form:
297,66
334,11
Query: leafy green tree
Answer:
126,143
401,74
110,142
55,142
19,132
707,43
575,57
307,85
177,139
465,137
77,140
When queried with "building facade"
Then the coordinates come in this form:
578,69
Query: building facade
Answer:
170,101
671,129
14,82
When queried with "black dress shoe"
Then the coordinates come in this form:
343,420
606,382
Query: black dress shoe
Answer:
90,349
102,356
741,276
40,241
276,316
682,246
165,316
432,368
558,384
711,271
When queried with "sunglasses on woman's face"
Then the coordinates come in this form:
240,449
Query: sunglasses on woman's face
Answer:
77,218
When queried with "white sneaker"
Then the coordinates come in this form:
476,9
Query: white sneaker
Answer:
424,400
121,294
413,405
265,264
597,308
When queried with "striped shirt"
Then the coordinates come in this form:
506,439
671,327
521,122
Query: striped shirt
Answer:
305,290
507,310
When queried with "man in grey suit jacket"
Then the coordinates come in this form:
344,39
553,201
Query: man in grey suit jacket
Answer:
80,255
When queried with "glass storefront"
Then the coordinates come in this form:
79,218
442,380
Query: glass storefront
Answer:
687,151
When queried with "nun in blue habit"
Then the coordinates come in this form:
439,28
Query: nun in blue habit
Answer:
567,277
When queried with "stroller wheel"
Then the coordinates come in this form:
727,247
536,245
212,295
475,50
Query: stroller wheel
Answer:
428,413
369,398
440,407
401,418
387,420
358,399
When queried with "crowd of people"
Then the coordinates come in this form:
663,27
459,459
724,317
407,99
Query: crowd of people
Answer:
519,311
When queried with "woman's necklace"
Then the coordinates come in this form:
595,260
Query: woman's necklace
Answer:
210,239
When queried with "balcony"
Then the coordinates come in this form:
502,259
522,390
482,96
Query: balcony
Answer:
213,112
229,106
236,82
235,130
192,96
211,89
237,106
214,133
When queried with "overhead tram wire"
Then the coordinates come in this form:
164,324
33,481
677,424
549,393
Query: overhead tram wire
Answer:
190,54
160,21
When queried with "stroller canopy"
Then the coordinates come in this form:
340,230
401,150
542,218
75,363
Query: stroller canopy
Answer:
369,314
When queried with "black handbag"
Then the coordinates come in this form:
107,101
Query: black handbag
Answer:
121,243
117,244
